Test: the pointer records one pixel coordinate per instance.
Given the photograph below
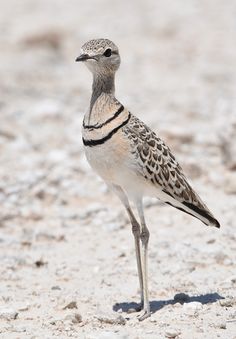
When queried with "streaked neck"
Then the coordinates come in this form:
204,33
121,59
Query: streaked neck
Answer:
102,83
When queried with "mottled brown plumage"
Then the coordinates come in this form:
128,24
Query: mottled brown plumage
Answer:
130,157
157,164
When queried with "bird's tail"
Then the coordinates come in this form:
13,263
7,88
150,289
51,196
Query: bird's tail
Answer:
202,214
198,210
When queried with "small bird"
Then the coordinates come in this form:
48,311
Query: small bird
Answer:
130,157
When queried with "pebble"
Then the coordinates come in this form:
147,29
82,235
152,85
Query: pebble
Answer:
70,305
172,333
192,308
233,279
8,314
153,320
40,263
222,325
228,302
23,307
112,319
74,318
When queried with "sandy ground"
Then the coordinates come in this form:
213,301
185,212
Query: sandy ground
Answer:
67,255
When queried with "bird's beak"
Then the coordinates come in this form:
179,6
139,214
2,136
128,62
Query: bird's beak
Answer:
83,57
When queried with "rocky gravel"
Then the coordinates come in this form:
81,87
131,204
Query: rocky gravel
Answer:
66,249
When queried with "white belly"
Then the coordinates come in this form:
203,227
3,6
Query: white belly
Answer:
119,171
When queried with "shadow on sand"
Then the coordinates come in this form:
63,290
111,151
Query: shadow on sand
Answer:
178,298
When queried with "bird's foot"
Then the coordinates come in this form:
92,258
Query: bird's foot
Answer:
144,315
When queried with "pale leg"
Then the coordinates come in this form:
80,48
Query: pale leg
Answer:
136,234
144,236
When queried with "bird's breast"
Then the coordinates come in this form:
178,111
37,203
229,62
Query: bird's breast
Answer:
107,158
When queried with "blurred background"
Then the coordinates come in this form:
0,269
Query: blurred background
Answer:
178,74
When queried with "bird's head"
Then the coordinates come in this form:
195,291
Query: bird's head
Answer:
100,56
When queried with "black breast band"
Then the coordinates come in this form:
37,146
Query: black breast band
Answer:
95,142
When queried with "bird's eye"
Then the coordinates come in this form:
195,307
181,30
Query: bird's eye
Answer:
107,52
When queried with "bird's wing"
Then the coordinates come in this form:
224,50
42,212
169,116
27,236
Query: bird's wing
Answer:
157,164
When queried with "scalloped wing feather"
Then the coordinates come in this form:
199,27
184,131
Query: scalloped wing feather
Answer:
157,164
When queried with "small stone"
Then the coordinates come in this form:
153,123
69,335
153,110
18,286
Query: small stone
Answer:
8,314
55,288
172,333
233,279
112,319
40,263
228,302
211,241
149,332
192,308
75,318
152,320
23,308
71,305
222,325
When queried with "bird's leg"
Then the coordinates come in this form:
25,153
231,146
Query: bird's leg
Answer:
136,234
144,236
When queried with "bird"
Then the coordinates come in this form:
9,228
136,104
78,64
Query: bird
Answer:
130,157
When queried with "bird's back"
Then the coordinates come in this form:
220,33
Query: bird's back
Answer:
156,163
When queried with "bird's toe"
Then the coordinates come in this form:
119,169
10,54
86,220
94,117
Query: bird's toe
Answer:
146,314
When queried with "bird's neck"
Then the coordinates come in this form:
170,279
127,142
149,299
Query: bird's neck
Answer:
102,83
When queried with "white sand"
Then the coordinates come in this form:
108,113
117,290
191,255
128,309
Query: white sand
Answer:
63,237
